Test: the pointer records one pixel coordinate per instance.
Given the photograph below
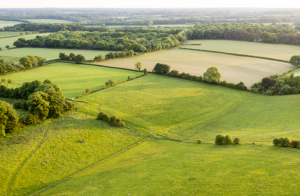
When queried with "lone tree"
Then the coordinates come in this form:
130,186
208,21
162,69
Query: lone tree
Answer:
7,47
138,66
212,75
79,59
295,60
161,68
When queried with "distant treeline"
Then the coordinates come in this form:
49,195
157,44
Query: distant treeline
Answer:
142,39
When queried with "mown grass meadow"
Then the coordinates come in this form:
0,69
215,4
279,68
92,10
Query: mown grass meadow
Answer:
159,167
73,79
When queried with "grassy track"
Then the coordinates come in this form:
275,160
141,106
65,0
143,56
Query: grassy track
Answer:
160,102
278,51
192,110
233,68
4,23
40,155
50,53
48,21
11,40
73,79
170,168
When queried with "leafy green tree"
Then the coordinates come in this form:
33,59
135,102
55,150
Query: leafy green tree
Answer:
295,60
21,42
212,75
161,68
79,59
7,47
38,104
150,23
130,53
138,65
25,61
62,55
111,82
72,56
9,120
40,60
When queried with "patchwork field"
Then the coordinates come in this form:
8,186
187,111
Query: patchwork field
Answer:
51,53
48,21
4,23
9,34
171,168
191,110
73,79
40,155
278,51
10,41
233,68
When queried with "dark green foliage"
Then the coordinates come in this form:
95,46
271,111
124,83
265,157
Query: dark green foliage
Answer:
128,78
72,56
103,116
32,119
237,141
227,140
9,120
212,75
25,105
219,139
79,59
9,81
62,55
161,68
115,121
41,60
295,143
3,80
145,71
174,73
87,90
282,142
111,82
295,60
18,105
66,57
199,141
110,55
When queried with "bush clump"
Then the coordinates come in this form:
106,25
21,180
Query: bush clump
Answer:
199,141
237,141
223,139
295,143
116,122
103,116
282,142
18,105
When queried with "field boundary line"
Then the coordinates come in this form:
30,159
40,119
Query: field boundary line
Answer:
92,165
236,54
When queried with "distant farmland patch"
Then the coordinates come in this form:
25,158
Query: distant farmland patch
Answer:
73,79
233,68
48,21
277,51
4,23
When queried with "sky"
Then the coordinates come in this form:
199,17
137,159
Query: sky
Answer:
149,4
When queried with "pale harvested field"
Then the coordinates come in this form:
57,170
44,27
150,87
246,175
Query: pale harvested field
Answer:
233,68
278,51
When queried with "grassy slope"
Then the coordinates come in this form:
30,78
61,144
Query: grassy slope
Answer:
278,51
50,53
192,110
40,155
172,168
48,21
233,68
8,34
4,23
10,41
73,79
161,102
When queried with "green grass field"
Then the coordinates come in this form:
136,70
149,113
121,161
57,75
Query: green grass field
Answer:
50,53
191,110
4,23
233,68
42,154
73,79
277,51
170,168
9,34
48,21
10,41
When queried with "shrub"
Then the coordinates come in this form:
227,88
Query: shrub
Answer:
174,73
212,75
72,56
282,142
219,139
3,80
115,121
128,78
87,90
111,82
199,141
32,119
295,143
224,83
79,59
17,105
237,141
145,71
227,140
9,81
62,55
106,117
9,119
100,116
161,68
25,106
